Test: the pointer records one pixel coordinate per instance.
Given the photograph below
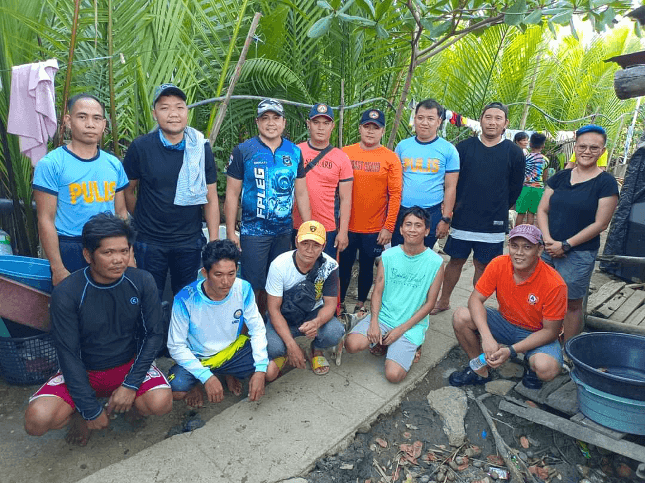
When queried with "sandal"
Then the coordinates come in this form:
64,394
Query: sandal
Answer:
320,365
378,350
281,362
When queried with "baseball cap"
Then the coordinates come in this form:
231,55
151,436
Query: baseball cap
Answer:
167,90
591,128
312,230
530,232
321,110
496,105
270,105
373,115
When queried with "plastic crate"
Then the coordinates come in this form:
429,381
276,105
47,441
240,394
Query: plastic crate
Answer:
28,360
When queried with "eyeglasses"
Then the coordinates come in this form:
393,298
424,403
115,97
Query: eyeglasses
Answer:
592,149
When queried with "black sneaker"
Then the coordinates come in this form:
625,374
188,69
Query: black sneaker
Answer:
530,378
467,377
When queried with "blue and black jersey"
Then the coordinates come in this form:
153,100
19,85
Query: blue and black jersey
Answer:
268,181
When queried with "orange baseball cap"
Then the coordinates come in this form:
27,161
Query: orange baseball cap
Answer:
312,230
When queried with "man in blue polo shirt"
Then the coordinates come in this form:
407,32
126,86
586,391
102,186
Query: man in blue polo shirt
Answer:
266,170
74,182
430,173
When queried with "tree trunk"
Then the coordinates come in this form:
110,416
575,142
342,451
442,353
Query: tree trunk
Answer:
525,112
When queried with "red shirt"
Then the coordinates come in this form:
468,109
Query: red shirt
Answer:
322,181
542,296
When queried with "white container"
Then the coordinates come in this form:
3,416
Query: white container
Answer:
5,243
478,362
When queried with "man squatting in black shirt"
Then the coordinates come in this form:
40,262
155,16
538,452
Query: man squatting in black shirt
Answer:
97,315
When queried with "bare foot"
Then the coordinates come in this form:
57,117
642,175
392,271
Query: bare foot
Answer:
79,433
195,397
234,385
134,417
417,356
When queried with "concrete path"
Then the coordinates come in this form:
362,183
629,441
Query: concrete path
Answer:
301,418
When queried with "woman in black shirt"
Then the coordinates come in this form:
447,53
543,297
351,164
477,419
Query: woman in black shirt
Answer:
576,207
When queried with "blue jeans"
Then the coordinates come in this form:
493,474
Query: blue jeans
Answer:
328,335
434,213
184,261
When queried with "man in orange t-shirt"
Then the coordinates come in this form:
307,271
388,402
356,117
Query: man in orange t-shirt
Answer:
332,171
532,303
376,196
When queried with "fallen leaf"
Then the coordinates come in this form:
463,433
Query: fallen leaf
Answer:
429,457
407,435
624,471
524,441
495,459
381,442
531,403
539,471
411,426
476,450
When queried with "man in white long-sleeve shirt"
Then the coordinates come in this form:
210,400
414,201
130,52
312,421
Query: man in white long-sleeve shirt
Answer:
207,339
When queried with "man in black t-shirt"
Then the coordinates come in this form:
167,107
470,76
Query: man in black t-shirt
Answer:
97,315
491,176
172,176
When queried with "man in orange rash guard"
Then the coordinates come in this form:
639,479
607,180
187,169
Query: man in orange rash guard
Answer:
376,197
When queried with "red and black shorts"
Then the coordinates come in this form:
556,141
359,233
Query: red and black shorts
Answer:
103,382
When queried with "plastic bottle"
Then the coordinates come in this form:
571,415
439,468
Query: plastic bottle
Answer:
478,362
5,243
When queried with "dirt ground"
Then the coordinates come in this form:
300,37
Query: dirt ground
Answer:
414,421
50,459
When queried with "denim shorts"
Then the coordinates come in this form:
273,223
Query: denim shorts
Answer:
483,252
575,268
241,365
506,333
402,351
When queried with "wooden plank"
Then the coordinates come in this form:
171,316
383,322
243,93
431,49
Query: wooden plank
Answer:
603,294
637,318
585,421
625,448
23,304
634,301
564,399
540,395
613,304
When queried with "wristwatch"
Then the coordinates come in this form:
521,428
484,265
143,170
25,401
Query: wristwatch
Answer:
446,219
513,353
565,246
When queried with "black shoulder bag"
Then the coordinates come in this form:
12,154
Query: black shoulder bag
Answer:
315,161
298,302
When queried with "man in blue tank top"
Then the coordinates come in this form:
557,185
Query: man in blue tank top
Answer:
406,289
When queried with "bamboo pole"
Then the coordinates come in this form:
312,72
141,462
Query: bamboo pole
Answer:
341,113
227,61
115,130
68,77
219,119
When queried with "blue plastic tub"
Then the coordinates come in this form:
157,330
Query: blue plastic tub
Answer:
611,362
34,272
615,412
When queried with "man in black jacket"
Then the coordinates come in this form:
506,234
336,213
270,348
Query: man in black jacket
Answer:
97,314
490,180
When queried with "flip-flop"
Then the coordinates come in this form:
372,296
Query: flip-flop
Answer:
438,310
320,365
281,362
378,350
